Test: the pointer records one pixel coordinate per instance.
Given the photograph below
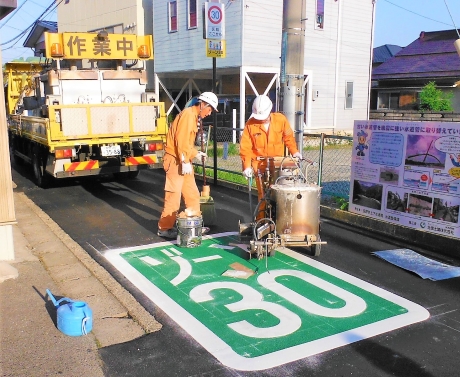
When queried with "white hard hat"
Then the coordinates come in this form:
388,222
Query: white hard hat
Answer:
210,98
261,107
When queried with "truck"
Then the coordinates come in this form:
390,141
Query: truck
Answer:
85,110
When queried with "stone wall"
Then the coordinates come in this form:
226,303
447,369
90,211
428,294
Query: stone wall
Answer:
413,115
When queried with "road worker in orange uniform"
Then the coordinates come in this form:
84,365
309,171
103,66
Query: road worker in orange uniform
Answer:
265,134
177,163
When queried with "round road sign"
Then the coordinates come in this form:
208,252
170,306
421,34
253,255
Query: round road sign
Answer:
215,14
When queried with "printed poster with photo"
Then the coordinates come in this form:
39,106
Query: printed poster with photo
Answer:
407,173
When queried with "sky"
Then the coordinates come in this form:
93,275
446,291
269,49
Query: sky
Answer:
397,22
27,12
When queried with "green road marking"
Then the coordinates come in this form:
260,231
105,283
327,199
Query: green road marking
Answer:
295,308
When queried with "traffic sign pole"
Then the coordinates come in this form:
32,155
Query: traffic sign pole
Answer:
214,129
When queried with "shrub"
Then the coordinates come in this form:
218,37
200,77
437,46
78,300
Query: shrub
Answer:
433,99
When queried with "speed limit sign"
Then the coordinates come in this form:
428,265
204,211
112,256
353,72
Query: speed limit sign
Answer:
215,14
214,21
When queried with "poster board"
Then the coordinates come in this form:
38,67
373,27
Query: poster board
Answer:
407,173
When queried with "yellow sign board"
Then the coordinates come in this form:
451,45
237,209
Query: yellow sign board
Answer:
215,48
98,46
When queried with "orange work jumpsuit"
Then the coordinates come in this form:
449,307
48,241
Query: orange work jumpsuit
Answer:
180,141
256,142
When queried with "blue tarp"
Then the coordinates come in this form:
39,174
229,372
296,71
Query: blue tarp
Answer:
424,267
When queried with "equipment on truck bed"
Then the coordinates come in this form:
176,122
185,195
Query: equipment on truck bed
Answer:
85,112
289,212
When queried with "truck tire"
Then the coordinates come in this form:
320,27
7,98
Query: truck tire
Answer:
16,159
42,179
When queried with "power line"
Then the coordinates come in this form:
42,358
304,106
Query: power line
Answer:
417,14
30,26
12,14
453,22
41,5
79,22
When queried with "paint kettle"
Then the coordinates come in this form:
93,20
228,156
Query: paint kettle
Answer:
74,318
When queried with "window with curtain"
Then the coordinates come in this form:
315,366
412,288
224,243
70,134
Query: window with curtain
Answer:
172,16
320,14
192,15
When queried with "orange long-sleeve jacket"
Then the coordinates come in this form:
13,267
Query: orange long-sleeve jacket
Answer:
181,135
256,142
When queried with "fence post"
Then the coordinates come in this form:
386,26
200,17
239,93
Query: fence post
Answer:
225,156
320,162
234,126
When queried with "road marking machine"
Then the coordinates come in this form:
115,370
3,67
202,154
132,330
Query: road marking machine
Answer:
288,214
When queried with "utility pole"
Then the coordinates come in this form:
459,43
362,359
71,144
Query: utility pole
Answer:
7,213
292,94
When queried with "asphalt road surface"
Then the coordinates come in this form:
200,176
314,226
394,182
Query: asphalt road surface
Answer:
102,214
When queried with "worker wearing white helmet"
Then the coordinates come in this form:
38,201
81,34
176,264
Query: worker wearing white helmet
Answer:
266,134
177,163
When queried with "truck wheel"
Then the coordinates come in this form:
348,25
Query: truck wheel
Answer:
316,248
17,160
41,177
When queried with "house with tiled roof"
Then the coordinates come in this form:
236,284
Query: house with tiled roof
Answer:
383,53
397,83
36,39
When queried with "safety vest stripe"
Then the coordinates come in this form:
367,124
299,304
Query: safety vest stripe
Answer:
86,165
130,161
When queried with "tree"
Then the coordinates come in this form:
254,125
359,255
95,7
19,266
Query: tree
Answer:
433,99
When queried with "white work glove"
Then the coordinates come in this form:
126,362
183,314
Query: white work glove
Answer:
298,155
187,168
200,155
247,173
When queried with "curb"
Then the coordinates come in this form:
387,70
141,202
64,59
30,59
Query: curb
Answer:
446,246
134,308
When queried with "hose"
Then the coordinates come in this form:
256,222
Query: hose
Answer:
250,194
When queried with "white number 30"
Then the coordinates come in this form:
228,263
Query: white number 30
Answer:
289,322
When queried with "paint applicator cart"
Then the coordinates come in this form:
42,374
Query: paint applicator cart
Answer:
289,212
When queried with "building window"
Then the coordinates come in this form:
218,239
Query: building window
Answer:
320,14
388,100
192,15
172,16
349,95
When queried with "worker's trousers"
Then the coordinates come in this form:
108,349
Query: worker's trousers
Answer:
177,185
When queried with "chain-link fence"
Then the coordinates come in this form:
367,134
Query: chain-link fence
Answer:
330,153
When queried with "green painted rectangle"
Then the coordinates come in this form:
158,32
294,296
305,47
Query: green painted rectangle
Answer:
293,307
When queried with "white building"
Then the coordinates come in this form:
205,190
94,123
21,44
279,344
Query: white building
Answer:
338,53
338,50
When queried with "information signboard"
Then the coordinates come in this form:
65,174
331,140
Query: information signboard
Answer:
407,173
91,46
215,48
